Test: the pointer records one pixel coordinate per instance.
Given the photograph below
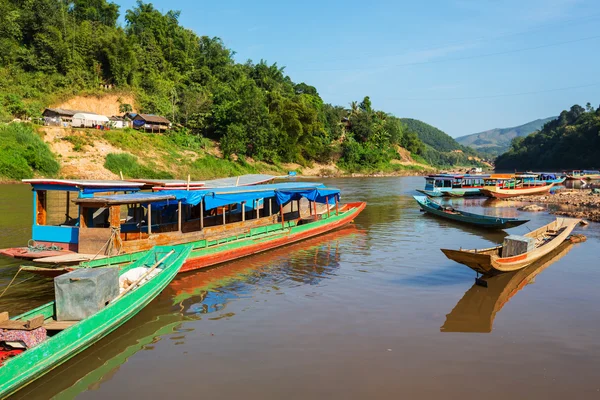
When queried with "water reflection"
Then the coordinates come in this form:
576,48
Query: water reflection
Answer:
476,310
100,362
304,263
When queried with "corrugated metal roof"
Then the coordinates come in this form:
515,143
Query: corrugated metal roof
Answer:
156,119
64,111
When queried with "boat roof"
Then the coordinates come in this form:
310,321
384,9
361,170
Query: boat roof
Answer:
455,176
131,198
167,182
242,180
216,197
87,186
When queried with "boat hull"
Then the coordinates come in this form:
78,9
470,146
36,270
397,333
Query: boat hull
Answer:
488,261
500,193
202,258
481,221
23,369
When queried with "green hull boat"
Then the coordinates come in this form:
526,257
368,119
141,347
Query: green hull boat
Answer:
24,368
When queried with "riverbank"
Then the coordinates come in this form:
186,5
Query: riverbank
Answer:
571,203
104,155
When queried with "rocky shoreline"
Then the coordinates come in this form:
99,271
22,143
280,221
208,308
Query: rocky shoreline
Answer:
584,204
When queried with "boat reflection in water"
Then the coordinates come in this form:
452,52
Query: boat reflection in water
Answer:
476,311
307,262
195,293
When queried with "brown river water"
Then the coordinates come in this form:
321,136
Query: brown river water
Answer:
374,310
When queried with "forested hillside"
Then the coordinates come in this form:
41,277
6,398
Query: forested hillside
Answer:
497,141
440,148
572,141
54,49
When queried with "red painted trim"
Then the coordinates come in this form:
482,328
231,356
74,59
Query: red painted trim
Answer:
218,258
511,259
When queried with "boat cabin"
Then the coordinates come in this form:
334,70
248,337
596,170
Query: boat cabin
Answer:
451,181
139,221
56,218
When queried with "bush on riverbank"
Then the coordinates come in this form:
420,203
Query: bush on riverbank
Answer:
131,168
23,154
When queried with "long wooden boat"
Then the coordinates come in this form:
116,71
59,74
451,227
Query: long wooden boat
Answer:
483,221
221,224
453,185
491,260
500,192
68,339
577,175
477,309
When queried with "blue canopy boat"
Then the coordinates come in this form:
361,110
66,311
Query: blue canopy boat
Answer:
483,221
440,185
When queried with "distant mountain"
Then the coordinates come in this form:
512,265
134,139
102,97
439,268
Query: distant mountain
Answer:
431,135
497,141
440,148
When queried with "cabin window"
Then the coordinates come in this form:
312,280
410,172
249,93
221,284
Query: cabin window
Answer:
55,208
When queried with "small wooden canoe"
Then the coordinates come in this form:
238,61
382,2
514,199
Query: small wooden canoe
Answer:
490,261
477,309
483,221
502,193
65,340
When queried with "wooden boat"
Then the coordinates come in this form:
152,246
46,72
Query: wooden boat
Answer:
491,260
453,185
483,221
477,309
68,338
577,175
221,224
507,188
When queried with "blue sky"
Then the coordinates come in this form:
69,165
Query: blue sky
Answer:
461,65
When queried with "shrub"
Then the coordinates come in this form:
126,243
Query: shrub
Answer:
129,166
23,154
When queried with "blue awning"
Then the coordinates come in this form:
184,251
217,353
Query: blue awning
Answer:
283,192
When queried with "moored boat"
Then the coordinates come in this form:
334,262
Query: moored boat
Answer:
65,339
482,221
477,309
583,174
516,252
513,187
453,185
221,224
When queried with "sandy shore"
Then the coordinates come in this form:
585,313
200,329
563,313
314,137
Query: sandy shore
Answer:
572,203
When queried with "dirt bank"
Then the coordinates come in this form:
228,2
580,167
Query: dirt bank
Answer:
571,203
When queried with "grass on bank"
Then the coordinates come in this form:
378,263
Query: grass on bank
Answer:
23,154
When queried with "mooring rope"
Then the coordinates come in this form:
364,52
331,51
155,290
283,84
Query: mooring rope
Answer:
13,279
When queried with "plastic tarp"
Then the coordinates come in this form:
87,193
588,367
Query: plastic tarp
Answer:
284,192
548,176
319,195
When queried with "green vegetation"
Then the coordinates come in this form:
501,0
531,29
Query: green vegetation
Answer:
53,49
129,166
572,141
440,149
23,154
497,141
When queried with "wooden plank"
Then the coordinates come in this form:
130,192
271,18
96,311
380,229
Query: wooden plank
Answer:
4,316
59,325
68,258
25,325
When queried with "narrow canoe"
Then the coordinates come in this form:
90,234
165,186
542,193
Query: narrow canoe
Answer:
490,261
60,347
500,193
477,309
483,221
